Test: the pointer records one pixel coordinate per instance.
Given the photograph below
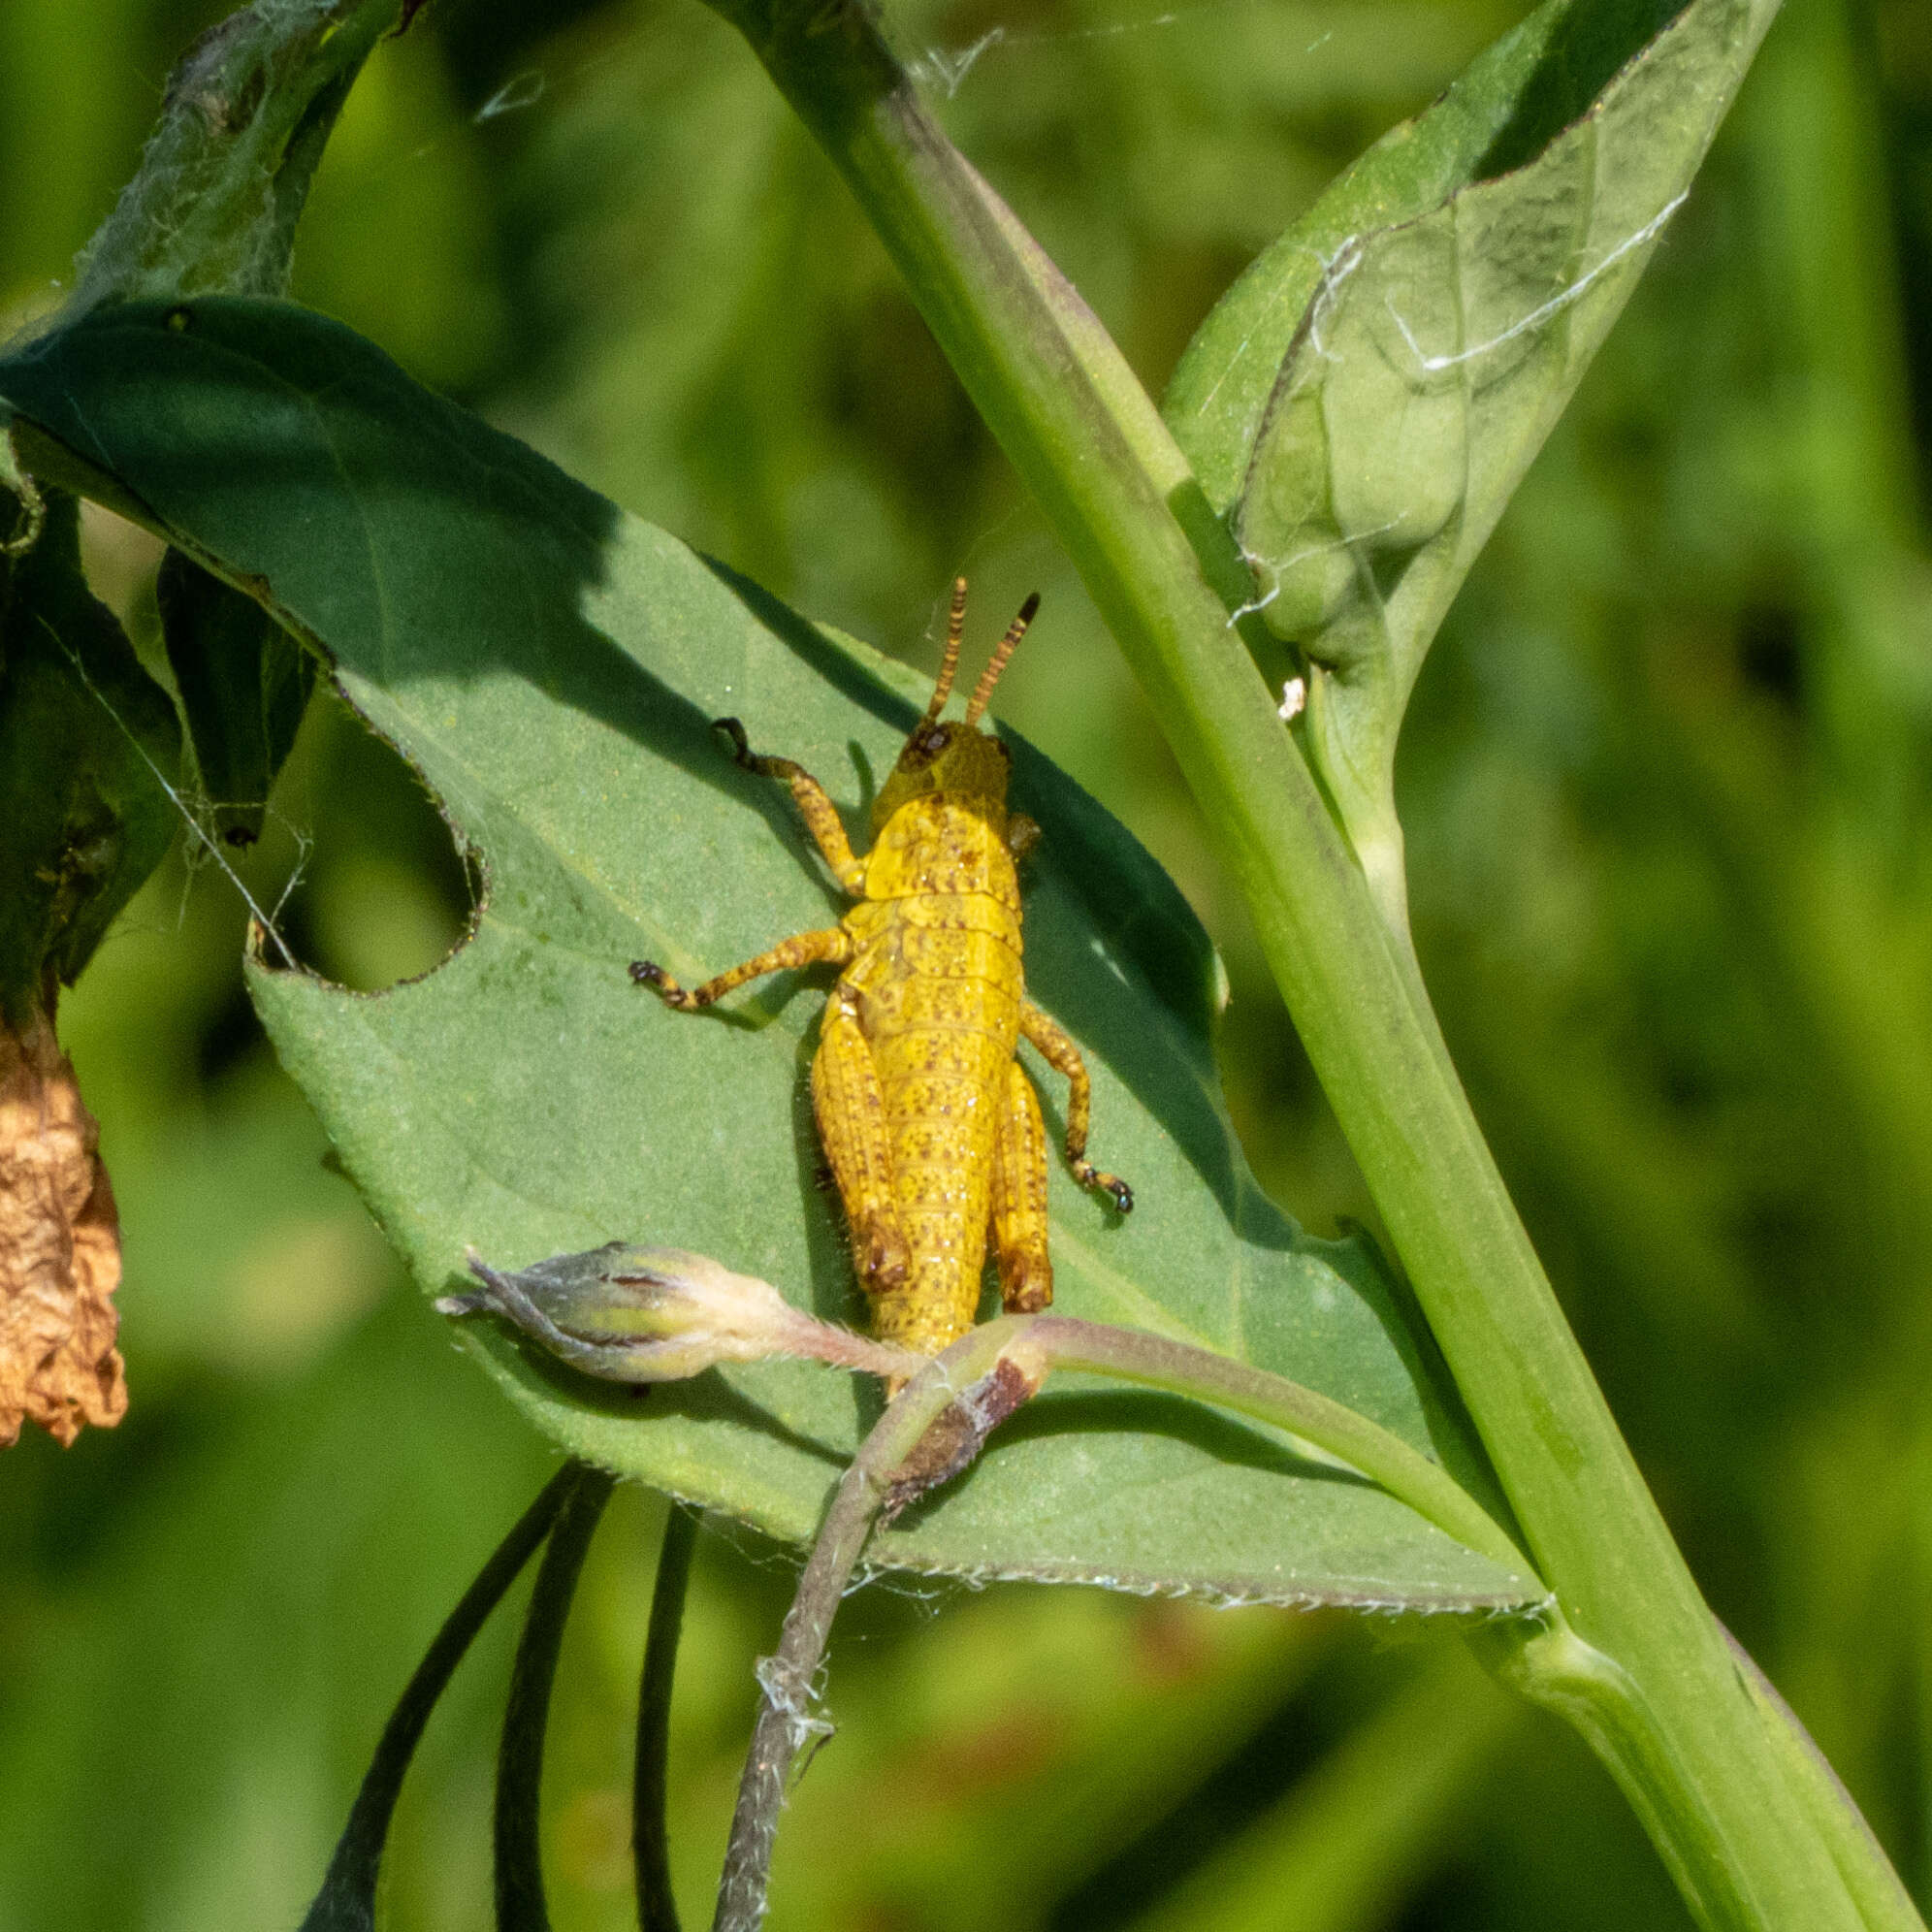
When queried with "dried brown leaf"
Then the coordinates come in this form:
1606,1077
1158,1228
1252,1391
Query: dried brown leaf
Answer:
59,1248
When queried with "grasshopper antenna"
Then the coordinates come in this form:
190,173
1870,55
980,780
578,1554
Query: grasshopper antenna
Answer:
1008,645
956,626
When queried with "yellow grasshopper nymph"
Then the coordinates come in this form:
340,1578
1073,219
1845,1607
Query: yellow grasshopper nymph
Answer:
930,1124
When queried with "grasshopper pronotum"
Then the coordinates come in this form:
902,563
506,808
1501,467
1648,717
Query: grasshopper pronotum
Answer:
929,1123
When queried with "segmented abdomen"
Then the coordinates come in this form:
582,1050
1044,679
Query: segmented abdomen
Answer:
941,1012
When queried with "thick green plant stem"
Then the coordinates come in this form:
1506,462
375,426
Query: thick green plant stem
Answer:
1741,1839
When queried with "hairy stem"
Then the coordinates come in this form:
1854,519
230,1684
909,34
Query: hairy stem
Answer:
786,1680
983,1376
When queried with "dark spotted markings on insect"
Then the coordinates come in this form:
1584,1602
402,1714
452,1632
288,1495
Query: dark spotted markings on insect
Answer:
930,1123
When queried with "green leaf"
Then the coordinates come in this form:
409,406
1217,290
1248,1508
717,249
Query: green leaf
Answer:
245,684
1364,402
89,744
552,666
246,113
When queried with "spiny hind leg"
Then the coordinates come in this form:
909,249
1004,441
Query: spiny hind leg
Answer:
820,815
1060,1053
802,949
1020,1197
849,1107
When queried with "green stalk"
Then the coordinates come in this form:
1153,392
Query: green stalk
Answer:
1742,1842
1128,1355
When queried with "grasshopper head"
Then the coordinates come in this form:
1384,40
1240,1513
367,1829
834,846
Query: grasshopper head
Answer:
959,759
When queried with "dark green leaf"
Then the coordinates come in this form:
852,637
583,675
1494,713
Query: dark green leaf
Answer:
552,668
247,112
88,745
245,684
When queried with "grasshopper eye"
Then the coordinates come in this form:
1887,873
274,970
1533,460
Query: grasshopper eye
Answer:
925,746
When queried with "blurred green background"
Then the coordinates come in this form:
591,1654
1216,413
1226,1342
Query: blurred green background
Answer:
1668,782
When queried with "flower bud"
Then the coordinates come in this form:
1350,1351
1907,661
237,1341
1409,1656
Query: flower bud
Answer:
632,1314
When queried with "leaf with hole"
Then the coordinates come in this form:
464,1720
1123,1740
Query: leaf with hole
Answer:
551,667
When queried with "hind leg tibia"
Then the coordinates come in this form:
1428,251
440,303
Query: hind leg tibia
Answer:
1020,1197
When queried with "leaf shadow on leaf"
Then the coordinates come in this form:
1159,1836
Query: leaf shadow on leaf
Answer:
429,622
1586,49
868,785
1172,1072
815,646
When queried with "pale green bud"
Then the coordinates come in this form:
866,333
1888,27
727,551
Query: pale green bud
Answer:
634,1314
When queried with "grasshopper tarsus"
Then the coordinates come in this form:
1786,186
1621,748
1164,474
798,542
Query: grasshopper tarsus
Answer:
742,754
648,973
1089,1175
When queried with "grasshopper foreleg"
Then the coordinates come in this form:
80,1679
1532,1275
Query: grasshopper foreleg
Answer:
1061,1054
802,949
820,815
